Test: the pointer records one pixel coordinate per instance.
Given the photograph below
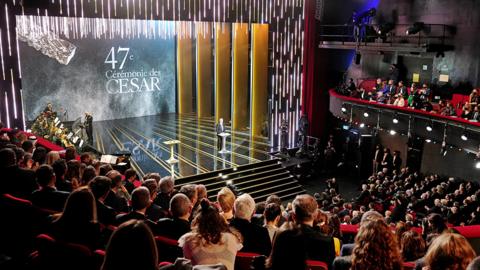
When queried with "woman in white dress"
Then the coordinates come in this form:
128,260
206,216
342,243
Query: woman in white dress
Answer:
211,240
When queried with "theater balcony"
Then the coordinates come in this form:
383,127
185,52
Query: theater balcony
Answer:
448,138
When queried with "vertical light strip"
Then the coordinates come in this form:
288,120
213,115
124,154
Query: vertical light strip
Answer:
7,111
1,55
8,31
14,96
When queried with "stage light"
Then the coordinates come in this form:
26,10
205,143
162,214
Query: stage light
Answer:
395,119
417,27
429,127
464,137
362,125
428,140
229,182
477,165
365,114
344,109
393,132
385,28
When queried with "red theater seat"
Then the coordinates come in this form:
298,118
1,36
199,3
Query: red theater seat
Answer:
408,265
168,249
243,260
316,265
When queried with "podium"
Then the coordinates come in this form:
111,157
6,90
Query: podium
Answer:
224,136
172,144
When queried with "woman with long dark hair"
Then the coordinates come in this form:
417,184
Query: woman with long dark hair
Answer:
211,240
78,221
131,246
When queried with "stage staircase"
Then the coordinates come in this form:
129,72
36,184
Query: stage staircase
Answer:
260,180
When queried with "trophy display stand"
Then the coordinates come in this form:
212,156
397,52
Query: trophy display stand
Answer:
172,160
224,136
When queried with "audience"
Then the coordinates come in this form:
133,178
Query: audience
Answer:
226,200
140,203
255,238
166,188
272,216
154,212
100,187
20,182
211,241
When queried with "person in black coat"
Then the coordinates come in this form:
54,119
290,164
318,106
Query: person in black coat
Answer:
397,161
48,197
18,182
154,212
100,187
178,225
255,238
387,160
140,203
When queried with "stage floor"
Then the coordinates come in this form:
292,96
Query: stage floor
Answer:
197,152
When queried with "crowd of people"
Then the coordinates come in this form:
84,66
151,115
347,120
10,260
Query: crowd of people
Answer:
415,97
91,204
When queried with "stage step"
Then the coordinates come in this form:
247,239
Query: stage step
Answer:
260,180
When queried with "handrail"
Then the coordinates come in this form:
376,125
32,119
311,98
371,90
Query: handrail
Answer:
407,110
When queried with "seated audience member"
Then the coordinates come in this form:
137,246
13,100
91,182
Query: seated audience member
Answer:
211,240
73,173
60,170
402,90
474,97
131,181
166,189
104,169
18,181
70,153
39,156
474,265
272,216
47,196
52,156
78,222
86,158
412,246
399,101
179,224
28,146
449,251
100,187
376,248
435,225
448,110
190,191
288,251
88,174
255,238
476,113
466,112
118,197
318,246
131,246
154,212
155,176
140,203
226,200
378,85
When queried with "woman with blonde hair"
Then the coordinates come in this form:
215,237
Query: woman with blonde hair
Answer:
52,156
376,248
226,200
449,251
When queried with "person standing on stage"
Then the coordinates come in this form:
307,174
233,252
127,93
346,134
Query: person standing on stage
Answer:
89,127
220,128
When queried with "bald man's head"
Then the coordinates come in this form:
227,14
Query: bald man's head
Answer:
180,206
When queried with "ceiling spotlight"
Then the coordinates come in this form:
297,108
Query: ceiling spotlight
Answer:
428,140
477,165
344,109
395,120
464,137
362,125
393,132
365,114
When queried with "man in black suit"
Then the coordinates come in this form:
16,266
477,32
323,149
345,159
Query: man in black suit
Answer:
318,246
255,238
48,197
100,187
18,182
166,187
220,128
154,212
178,225
397,161
140,203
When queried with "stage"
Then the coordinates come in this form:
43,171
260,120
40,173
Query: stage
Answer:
197,153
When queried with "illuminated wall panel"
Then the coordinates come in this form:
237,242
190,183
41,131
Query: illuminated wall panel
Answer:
259,71
241,106
204,69
184,71
222,71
